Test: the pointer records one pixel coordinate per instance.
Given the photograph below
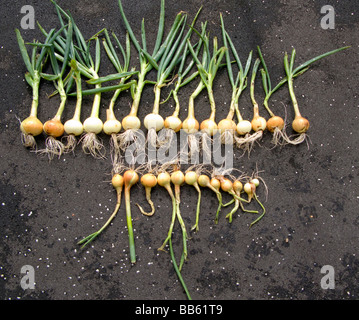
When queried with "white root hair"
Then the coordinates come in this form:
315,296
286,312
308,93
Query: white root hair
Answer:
124,139
193,145
93,145
152,138
70,144
165,137
115,150
206,142
53,147
248,140
28,141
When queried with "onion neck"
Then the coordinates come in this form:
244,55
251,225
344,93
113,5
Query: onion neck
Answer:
177,108
35,94
265,103
63,97
139,88
77,113
115,96
254,102
156,105
292,96
194,95
212,104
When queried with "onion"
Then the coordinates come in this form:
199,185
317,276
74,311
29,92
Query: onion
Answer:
191,178
54,128
31,125
73,127
209,126
244,127
93,125
112,126
300,124
174,123
164,180
275,122
153,121
205,182
250,189
131,122
258,123
177,178
149,181
190,125
130,178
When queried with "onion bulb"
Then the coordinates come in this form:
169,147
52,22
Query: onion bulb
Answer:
190,125
274,123
131,122
300,124
209,126
174,123
258,123
205,182
90,143
154,121
250,189
73,127
112,126
54,128
30,128
149,181
244,127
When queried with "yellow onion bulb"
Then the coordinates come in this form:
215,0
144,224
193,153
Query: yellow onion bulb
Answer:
117,180
226,124
216,183
300,124
259,123
31,125
177,177
190,125
149,180
237,186
203,180
191,177
173,123
163,179
275,122
130,177
249,188
54,128
209,126
226,185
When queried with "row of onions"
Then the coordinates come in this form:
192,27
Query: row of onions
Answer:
68,47
185,55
